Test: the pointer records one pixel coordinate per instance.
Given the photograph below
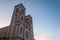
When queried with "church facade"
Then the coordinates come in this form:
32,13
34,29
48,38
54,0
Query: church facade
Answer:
21,26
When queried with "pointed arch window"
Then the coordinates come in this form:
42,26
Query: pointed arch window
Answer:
27,34
22,18
21,30
22,10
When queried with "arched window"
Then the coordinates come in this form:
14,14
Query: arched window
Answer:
17,10
22,18
27,34
22,11
21,30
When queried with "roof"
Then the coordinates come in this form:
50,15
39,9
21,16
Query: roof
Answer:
4,31
4,28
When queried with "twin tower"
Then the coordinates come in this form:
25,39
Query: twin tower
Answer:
21,27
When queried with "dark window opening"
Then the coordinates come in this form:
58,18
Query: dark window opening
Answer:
17,10
26,19
21,30
27,34
22,11
22,18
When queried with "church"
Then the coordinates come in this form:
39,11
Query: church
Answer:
21,26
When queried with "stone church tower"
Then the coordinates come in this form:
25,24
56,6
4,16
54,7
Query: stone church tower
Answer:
21,26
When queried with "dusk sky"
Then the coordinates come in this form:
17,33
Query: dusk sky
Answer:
45,13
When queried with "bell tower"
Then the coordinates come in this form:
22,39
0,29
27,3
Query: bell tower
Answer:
18,14
17,23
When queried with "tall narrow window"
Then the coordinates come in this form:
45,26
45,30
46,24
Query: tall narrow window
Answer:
17,10
21,30
22,18
27,34
22,11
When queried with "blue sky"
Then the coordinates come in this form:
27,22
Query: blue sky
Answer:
45,13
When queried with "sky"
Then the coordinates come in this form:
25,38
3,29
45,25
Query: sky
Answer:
45,13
